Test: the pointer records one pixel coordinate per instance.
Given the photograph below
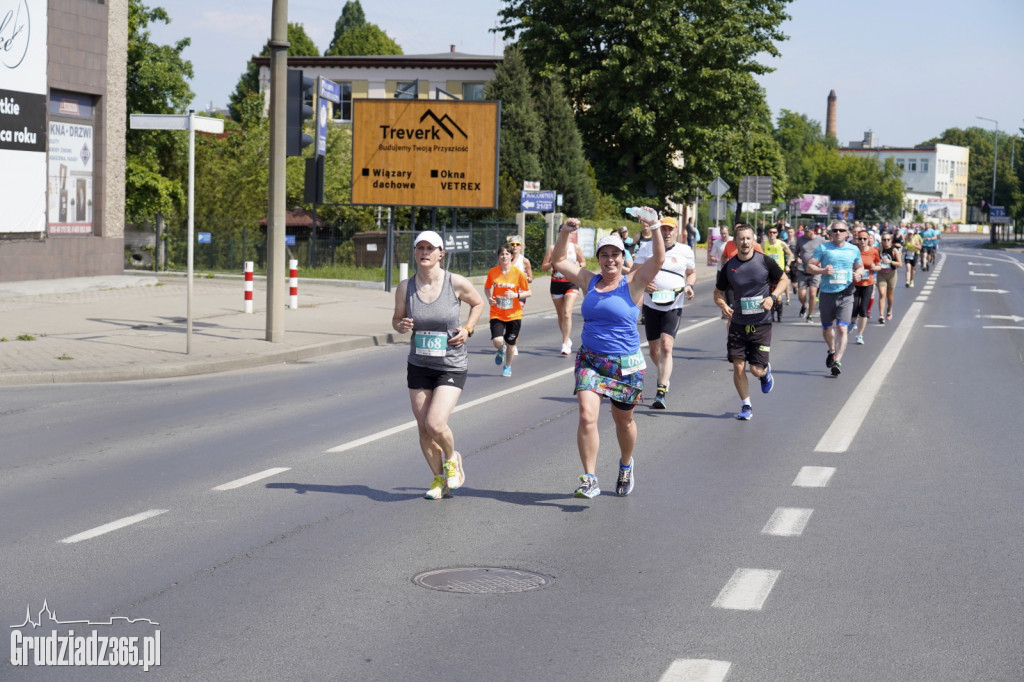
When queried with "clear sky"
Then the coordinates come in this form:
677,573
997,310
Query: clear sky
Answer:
904,69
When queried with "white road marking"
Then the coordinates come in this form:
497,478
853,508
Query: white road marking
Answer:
996,327
747,589
981,274
1012,318
989,291
238,483
351,445
814,477
113,525
787,522
696,670
936,326
846,424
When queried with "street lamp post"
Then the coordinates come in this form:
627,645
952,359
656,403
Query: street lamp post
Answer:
995,159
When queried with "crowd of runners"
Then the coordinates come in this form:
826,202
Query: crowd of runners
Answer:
833,273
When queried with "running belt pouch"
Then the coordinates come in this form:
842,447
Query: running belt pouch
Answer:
676,291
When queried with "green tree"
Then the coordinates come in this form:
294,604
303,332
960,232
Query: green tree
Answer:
301,45
652,83
800,140
352,16
368,39
563,163
157,83
877,188
521,129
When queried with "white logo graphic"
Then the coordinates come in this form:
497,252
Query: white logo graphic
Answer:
93,649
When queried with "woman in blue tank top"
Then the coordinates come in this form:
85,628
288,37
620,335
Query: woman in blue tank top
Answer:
429,304
609,362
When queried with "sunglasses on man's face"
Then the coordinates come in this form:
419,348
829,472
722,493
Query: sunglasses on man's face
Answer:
839,229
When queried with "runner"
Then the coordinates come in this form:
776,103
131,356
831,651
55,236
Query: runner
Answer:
914,245
930,244
519,260
663,302
609,362
506,288
864,289
892,261
428,304
564,292
778,251
841,266
757,281
807,284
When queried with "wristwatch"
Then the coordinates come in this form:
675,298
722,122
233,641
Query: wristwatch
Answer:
469,330
775,299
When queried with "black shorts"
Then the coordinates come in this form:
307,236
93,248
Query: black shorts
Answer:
750,342
910,257
862,301
428,378
560,289
658,321
506,330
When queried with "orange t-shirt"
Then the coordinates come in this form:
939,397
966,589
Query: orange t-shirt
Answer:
730,250
506,290
869,258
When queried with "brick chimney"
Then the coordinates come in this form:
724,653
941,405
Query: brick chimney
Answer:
830,116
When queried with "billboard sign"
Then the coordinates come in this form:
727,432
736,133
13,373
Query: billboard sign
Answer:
843,209
812,204
412,152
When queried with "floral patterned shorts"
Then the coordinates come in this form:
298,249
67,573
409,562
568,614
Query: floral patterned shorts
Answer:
603,375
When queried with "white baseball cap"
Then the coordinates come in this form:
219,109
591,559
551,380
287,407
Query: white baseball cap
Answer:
610,240
430,237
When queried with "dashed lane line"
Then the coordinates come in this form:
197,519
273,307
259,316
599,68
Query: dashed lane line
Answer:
246,480
814,477
696,670
747,589
787,522
112,526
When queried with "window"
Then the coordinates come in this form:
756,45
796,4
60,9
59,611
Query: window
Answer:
343,109
924,165
407,90
900,164
472,91
912,165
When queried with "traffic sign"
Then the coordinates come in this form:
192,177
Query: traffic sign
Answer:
716,209
205,238
756,189
718,187
543,201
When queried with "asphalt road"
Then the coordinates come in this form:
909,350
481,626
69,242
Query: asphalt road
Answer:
866,527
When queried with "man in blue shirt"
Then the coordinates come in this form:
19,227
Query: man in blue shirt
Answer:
930,238
839,264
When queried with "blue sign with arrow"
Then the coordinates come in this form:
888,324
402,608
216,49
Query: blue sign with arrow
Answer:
543,201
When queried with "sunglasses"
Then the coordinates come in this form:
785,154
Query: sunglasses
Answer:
862,239
840,229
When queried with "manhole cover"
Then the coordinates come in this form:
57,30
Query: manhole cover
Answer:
481,580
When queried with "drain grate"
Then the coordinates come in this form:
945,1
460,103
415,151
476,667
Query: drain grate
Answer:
481,580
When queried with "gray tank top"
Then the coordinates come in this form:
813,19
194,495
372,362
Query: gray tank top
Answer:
433,324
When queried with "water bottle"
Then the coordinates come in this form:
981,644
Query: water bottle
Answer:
643,214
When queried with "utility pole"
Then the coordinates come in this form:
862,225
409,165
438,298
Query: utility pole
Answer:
276,223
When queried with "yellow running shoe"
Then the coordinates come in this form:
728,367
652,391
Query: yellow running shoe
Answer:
438,489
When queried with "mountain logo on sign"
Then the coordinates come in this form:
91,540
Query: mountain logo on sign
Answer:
441,122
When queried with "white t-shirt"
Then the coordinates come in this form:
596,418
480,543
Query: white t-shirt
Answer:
678,260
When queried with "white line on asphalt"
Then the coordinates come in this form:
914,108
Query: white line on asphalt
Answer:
113,525
995,327
251,479
936,326
351,445
981,274
747,589
787,522
846,424
814,477
696,670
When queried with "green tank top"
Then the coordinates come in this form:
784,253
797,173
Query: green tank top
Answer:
776,253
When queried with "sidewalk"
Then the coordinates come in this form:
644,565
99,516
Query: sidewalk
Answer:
126,327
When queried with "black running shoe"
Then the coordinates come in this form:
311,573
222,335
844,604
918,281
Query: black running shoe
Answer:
830,359
803,310
837,369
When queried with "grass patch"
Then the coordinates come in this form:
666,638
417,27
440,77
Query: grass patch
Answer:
64,356
26,337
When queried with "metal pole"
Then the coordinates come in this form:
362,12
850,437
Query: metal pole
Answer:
276,225
191,226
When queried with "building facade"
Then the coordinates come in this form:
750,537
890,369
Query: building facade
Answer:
62,137
458,75
934,176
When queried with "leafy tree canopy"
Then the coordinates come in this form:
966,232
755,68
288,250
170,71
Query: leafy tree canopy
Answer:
982,144
653,83
368,39
301,45
352,16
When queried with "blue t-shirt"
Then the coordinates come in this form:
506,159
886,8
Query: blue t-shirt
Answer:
609,320
929,238
842,258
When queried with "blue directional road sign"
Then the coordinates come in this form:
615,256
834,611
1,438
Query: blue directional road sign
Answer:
289,240
543,201
205,238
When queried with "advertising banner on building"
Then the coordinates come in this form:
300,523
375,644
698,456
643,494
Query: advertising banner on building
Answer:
944,210
70,181
23,115
812,204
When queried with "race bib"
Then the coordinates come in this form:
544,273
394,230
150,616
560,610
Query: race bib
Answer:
433,344
840,277
504,302
751,305
634,362
663,296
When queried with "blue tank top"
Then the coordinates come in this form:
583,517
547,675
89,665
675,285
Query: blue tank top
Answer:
609,320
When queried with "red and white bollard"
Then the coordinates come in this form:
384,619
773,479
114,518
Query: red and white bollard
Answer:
293,284
248,287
